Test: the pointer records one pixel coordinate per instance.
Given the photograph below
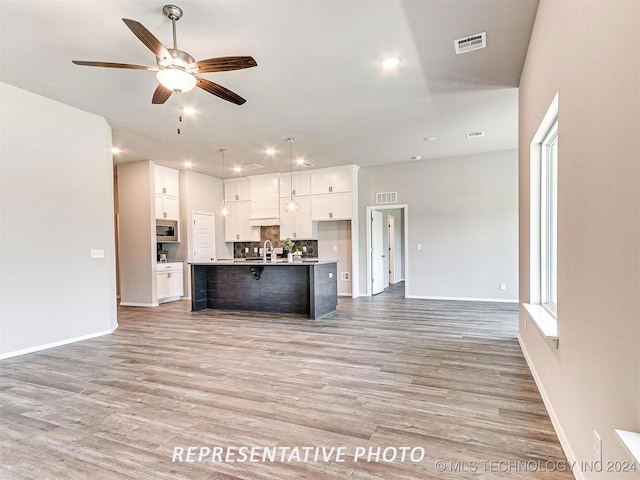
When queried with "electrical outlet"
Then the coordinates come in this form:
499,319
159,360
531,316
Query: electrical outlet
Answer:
335,248
503,286
246,250
304,249
331,275
419,246
255,249
344,276
597,447
97,253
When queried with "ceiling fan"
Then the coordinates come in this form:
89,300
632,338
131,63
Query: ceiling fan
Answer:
176,69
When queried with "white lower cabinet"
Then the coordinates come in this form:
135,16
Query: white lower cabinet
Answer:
169,285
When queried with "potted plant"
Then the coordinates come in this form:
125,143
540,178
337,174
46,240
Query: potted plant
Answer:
163,255
288,244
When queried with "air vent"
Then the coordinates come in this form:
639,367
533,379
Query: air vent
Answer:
386,197
475,134
252,166
471,43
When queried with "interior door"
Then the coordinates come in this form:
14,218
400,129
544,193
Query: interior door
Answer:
203,238
377,252
392,254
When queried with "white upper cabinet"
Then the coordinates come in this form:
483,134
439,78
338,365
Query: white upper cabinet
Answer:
301,184
237,189
297,225
265,199
167,190
336,181
236,225
167,181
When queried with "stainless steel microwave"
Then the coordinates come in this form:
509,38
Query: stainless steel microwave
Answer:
166,231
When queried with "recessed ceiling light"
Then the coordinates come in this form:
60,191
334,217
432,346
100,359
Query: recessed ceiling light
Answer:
115,150
270,151
416,157
237,169
390,62
187,164
429,139
188,110
300,161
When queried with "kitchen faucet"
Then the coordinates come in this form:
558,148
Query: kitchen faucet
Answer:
264,250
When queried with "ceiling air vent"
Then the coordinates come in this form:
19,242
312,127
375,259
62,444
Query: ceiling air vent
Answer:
471,43
386,197
475,134
252,166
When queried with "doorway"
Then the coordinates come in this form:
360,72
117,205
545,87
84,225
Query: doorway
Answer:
387,263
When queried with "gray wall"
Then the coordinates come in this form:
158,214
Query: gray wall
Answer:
56,204
463,211
592,380
137,233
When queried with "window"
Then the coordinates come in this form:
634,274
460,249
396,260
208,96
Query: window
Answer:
543,227
549,220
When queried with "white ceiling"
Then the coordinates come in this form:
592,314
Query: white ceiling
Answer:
318,77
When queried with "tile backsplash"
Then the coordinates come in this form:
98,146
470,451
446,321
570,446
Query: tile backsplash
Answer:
272,233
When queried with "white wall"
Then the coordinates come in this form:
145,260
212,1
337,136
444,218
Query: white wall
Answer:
463,211
592,380
56,204
199,193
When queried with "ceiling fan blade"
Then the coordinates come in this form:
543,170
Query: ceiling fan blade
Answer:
219,91
114,65
222,64
148,39
161,95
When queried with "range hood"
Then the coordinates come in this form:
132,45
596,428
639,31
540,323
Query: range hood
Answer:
265,200
264,222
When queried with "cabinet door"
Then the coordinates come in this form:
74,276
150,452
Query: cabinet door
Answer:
160,206
237,190
176,288
246,233
285,186
171,182
244,191
162,285
340,181
231,233
320,207
171,207
320,183
304,225
341,206
287,221
157,180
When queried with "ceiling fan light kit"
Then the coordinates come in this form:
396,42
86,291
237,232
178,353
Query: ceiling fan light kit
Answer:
176,69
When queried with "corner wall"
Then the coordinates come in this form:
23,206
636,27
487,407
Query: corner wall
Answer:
56,204
463,211
592,381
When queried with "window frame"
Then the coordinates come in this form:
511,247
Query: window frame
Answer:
548,220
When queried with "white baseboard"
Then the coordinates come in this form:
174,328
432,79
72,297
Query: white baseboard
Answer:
24,351
134,304
564,443
464,299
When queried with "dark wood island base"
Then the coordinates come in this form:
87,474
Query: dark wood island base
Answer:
301,287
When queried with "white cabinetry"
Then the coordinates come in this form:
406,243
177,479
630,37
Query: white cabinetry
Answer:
331,195
237,190
297,225
169,285
236,225
335,181
301,184
265,199
167,190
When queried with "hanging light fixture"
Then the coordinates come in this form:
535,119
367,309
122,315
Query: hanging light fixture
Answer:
291,205
223,211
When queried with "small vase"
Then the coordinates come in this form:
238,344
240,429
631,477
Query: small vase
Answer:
163,257
290,257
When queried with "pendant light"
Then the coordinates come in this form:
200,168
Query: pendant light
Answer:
291,205
223,211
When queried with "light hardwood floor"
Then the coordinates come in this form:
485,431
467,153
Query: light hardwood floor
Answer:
445,377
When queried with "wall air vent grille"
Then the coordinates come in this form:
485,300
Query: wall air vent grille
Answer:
470,43
386,197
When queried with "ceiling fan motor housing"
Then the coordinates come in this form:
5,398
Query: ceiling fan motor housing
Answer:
172,11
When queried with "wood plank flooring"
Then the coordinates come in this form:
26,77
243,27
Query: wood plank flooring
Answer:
445,378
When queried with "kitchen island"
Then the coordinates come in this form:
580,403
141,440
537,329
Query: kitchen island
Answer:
308,288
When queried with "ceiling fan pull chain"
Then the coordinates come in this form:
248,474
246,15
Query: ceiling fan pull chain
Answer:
179,110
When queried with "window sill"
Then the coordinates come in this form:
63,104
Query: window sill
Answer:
546,323
631,442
